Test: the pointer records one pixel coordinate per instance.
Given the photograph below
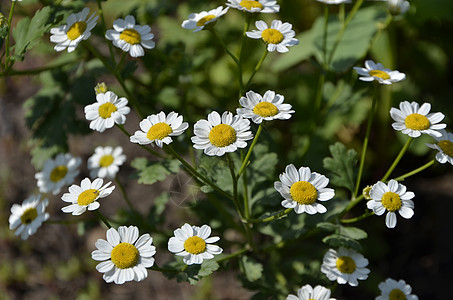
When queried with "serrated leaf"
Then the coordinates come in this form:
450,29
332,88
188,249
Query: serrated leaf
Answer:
28,33
337,240
151,172
207,267
342,165
252,269
327,226
353,233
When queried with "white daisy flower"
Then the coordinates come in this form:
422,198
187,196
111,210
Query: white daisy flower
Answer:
84,197
302,188
158,129
392,197
398,7
278,37
444,146
393,290
268,107
57,173
105,162
130,37
251,6
345,266
308,293
194,244
77,28
413,119
334,1
219,135
108,110
28,217
124,255
376,71
198,21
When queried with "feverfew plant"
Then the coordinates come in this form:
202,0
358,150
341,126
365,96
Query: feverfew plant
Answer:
235,128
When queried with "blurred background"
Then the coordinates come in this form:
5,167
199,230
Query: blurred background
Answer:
42,114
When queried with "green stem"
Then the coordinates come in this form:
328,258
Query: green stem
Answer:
353,220
196,174
324,39
232,255
257,67
104,29
117,75
351,205
212,30
235,185
103,219
248,18
10,18
365,141
118,66
271,218
418,170
246,196
246,160
163,270
351,15
397,159
123,192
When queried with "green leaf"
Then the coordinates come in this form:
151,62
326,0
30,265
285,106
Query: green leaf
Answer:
207,267
352,47
337,240
342,164
28,33
252,269
342,236
151,172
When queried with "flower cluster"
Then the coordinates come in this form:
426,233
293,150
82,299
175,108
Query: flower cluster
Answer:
125,34
125,255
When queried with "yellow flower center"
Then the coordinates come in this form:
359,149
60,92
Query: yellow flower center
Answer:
417,122
272,36
397,294
346,265
195,245
76,30
130,36
379,74
100,88
58,173
87,197
106,160
447,147
222,135
106,110
265,109
124,255
159,131
391,201
29,215
303,192
205,19
249,4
